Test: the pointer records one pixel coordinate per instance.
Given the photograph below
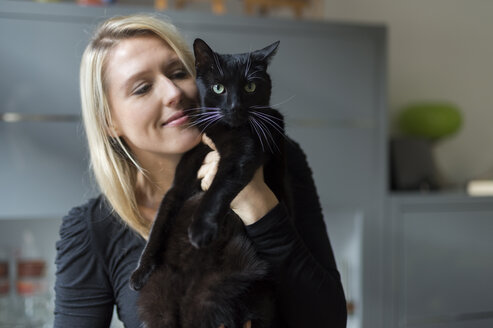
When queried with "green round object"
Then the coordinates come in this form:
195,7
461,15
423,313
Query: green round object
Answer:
432,120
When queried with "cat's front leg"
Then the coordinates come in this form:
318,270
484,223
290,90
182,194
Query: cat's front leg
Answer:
202,231
149,258
140,275
184,185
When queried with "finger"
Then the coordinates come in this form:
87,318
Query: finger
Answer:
210,165
221,326
202,172
248,324
210,160
212,156
206,181
208,141
206,169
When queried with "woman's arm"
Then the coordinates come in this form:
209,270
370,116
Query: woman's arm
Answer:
296,246
309,294
83,294
299,252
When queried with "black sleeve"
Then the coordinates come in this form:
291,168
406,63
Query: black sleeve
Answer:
83,295
309,289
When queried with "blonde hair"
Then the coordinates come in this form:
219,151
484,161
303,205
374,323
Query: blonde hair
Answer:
113,166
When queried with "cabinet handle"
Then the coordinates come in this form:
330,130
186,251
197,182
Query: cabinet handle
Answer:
20,117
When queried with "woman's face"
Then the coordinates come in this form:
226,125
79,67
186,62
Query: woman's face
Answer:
148,88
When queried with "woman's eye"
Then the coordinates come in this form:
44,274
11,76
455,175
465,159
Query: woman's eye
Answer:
142,89
182,74
218,88
250,87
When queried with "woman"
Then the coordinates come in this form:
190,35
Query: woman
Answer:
137,78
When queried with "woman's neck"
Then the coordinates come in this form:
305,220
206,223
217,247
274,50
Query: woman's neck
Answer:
153,185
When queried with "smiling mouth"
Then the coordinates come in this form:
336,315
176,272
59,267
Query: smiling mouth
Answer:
177,119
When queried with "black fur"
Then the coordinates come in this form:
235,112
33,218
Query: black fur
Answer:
198,268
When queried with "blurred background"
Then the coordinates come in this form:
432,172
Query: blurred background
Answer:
391,100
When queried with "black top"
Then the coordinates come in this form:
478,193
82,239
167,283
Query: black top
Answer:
97,253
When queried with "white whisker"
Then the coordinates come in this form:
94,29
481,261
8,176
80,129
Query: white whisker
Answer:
204,114
266,115
253,125
283,102
247,66
207,119
218,64
276,105
201,108
267,119
264,131
211,122
270,136
252,75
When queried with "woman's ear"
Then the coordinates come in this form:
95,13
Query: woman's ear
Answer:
111,127
112,131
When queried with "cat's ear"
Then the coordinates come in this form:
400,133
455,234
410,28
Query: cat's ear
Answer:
203,54
266,53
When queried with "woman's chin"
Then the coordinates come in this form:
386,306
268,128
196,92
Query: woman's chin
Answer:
191,137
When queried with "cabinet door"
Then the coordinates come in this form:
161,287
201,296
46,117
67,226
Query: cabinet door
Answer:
43,168
44,164
443,263
39,64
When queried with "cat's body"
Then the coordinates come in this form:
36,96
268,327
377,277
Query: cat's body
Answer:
193,289
199,268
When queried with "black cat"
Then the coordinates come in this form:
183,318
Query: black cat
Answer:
199,268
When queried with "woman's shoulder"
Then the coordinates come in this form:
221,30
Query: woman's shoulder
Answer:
84,216
94,229
82,210
84,224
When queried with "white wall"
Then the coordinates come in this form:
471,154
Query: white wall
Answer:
439,49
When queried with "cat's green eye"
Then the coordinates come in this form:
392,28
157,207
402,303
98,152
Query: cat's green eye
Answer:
218,88
250,87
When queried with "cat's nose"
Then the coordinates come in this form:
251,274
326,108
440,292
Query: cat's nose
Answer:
235,109
234,102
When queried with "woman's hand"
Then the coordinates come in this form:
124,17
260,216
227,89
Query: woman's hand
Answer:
253,202
247,324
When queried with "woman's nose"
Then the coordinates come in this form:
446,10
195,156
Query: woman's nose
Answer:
171,93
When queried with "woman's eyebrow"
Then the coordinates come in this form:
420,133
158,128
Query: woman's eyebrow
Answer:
173,63
132,78
170,64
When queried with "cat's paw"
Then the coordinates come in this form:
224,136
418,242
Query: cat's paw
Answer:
140,276
201,233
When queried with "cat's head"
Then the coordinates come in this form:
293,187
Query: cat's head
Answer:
232,85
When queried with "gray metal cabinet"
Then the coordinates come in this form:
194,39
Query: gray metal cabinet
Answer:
441,261
44,169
